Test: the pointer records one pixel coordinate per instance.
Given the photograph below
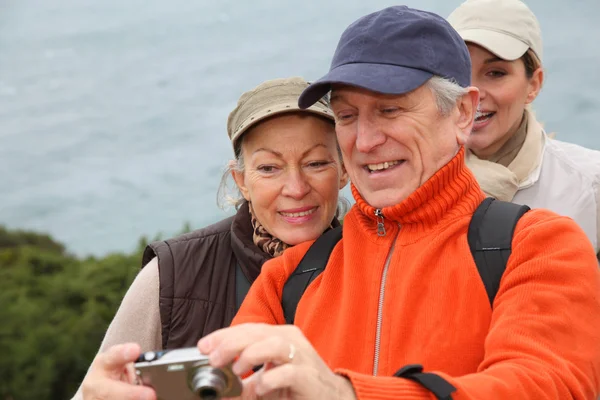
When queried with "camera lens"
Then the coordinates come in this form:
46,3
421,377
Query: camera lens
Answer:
208,394
209,383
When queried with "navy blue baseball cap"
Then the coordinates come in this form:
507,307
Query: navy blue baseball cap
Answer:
394,51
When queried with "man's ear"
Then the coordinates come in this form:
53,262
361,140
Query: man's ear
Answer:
467,107
240,181
535,85
343,177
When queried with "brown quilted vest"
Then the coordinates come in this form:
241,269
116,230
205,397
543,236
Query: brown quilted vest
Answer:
197,277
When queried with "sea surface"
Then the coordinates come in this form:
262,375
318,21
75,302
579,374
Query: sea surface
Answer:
113,112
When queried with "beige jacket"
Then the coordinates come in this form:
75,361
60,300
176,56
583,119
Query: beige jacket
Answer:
547,173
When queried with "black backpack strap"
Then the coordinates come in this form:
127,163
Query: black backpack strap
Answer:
242,285
441,388
311,266
490,240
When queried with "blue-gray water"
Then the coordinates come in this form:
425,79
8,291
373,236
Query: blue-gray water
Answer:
112,112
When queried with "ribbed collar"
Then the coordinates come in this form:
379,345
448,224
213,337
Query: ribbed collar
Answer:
450,193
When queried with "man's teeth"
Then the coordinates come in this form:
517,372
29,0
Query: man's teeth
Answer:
378,167
298,214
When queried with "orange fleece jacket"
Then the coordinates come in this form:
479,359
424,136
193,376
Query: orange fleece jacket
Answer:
540,341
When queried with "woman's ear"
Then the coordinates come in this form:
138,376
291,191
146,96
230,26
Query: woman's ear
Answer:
535,85
343,177
240,181
467,107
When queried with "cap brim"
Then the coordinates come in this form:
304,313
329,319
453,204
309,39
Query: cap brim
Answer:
279,109
380,78
504,46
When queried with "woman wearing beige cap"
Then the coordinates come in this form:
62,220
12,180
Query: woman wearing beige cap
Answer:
510,153
288,172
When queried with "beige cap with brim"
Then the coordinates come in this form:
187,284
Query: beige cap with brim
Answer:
270,98
506,28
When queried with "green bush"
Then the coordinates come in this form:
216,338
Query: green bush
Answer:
55,308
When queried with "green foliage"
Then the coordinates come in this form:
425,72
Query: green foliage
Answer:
54,311
18,238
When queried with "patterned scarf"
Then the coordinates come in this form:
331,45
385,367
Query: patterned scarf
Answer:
263,239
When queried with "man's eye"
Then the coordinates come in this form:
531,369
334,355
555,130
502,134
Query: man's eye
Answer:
389,110
318,164
344,116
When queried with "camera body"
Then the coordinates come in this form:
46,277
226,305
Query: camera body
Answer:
185,374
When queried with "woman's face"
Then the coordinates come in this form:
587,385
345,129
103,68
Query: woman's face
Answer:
504,90
292,175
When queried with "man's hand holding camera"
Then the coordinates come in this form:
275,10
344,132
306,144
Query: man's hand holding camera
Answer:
292,368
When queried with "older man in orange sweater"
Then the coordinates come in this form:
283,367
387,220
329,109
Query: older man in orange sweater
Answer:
401,287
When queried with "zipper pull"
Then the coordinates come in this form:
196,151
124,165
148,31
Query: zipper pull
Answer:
380,224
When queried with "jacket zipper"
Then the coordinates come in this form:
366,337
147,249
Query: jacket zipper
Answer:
381,232
380,224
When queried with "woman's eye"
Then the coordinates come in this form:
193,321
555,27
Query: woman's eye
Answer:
496,74
267,169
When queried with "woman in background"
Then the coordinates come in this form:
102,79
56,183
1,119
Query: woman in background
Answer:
510,153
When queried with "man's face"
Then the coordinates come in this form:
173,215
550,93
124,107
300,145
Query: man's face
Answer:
392,144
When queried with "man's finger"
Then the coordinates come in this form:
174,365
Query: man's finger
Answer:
283,377
211,341
224,345
248,384
273,349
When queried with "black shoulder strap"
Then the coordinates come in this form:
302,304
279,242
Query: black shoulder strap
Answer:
490,240
441,388
242,285
311,266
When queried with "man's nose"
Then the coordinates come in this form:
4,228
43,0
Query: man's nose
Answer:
368,135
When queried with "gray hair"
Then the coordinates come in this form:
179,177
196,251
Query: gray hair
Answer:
229,195
446,92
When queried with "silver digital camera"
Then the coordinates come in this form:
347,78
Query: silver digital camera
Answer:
185,374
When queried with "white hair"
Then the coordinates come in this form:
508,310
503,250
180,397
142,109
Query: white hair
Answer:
446,92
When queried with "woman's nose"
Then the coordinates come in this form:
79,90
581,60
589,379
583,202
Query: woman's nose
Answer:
296,185
475,82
